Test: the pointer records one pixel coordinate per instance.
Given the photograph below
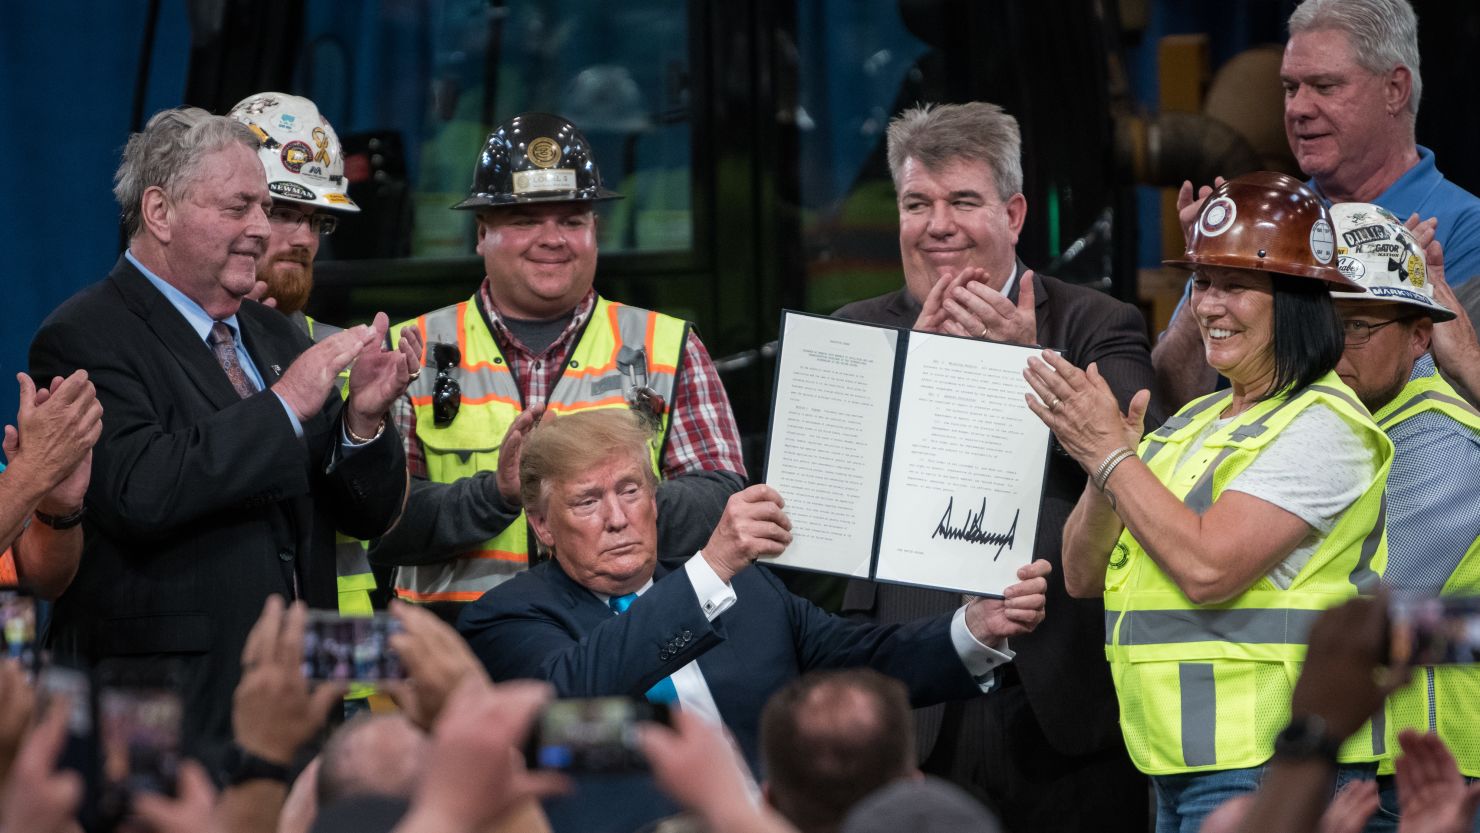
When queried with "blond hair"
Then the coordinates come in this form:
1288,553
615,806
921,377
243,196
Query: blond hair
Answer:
559,448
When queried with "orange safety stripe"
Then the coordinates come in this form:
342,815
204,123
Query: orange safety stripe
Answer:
652,329
8,575
572,407
446,596
462,346
496,555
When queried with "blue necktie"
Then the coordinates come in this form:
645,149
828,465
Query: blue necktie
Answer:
664,691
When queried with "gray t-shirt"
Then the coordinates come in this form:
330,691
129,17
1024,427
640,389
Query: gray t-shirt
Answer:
1315,469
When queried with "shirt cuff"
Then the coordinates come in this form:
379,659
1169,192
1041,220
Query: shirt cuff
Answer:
981,660
715,597
297,426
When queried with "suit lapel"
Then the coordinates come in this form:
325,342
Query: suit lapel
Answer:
180,341
267,353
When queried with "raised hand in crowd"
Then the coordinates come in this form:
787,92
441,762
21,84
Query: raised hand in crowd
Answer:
1350,808
436,660
1433,794
475,775
1455,346
698,767
1342,684
754,525
965,304
190,811
17,706
379,376
37,797
274,711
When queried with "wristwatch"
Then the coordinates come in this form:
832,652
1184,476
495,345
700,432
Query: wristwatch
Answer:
242,766
60,521
1306,738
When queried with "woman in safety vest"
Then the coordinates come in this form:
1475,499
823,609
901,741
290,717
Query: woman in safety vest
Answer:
1218,539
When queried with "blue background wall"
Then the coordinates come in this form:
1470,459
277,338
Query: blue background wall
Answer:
69,71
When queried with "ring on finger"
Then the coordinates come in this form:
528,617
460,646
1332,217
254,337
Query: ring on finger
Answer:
983,333
1054,404
414,375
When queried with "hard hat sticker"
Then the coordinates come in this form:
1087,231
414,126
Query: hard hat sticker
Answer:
296,154
1218,217
1351,268
260,105
287,122
336,198
291,190
1322,241
1364,234
562,179
544,152
1417,270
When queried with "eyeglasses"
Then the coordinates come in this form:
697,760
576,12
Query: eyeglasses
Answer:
1360,332
446,393
292,219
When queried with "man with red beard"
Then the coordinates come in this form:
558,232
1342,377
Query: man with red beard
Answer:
305,175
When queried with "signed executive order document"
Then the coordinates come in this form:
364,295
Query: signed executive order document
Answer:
905,457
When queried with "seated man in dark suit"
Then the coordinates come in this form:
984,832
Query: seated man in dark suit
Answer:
228,459
714,635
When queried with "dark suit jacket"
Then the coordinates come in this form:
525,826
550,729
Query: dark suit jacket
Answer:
1062,663
201,503
542,625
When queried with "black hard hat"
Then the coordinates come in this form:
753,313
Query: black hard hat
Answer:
535,157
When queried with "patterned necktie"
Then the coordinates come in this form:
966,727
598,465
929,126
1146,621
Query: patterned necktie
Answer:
223,344
664,691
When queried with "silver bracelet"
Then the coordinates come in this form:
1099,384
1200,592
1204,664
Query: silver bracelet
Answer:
1102,474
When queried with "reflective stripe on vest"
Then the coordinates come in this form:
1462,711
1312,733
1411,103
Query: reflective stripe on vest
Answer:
354,579
1441,699
1206,687
491,401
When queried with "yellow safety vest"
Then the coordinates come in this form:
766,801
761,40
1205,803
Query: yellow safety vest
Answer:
1207,687
355,579
1441,699
491,401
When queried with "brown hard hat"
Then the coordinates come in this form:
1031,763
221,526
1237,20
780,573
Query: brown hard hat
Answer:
1266,221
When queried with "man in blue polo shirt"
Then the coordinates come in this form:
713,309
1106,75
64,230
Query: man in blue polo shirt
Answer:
1352,87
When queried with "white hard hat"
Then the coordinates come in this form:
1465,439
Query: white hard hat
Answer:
301,152
1379,254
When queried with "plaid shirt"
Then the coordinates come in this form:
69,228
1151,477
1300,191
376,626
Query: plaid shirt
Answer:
701,435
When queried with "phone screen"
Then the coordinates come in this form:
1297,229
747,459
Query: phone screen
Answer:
18,627
350,648
1435,631
592,735
140,733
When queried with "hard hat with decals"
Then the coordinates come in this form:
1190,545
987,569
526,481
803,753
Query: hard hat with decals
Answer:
1375,251
1266,221
300,150
535,157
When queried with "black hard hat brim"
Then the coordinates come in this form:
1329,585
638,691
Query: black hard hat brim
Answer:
476,201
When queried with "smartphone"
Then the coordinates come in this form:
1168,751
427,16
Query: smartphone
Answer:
350,648
139,735
18,627
595,735
1435,631
80,749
